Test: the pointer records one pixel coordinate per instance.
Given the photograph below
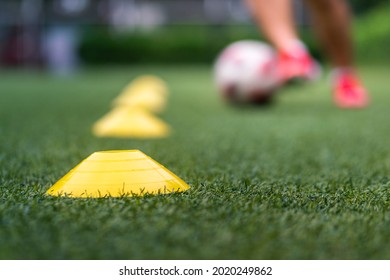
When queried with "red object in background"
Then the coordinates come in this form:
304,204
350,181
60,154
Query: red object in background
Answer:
11,54
21,46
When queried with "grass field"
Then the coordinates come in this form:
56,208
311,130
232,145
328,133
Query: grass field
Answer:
296,180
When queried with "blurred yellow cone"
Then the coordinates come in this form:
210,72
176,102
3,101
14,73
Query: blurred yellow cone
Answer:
130,123
117,174
147,92
143,98
148,82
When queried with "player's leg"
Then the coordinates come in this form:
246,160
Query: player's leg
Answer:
332,20
276,20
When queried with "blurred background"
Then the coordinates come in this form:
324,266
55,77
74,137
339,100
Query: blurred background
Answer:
62,35
300,180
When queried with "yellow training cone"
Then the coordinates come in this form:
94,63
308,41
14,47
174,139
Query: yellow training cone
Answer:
125,122
143,98
116,174
147,82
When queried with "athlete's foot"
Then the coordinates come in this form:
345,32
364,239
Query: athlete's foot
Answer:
297,64
348,92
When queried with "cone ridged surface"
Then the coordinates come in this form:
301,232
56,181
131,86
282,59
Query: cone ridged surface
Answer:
116,174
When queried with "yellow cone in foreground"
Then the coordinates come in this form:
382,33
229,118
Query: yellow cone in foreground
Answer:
116,174
126,122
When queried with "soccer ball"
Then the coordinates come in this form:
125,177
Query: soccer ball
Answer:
246,72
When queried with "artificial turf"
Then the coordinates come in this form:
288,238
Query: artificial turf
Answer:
299,179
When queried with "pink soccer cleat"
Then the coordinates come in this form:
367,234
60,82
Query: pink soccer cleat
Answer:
348,92
297,64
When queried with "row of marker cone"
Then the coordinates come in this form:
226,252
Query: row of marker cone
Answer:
133,113
120,173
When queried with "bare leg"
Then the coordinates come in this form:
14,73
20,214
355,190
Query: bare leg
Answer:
276,20
331,19
332,22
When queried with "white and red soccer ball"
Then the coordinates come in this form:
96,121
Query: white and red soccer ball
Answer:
246,72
